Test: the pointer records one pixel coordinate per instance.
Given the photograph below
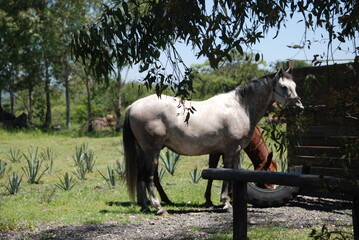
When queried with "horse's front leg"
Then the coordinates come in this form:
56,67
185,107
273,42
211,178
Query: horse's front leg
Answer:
213,163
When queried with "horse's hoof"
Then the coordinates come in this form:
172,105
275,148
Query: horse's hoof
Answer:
162,212
228,207
208,204
170,203
144,209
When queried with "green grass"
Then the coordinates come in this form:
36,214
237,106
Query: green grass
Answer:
279,233
92,200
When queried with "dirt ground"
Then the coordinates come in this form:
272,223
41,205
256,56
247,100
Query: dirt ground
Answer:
301,213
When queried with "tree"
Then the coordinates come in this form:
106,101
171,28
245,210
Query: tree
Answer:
136,31
240,70
39,56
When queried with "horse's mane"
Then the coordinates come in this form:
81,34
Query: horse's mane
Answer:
244,89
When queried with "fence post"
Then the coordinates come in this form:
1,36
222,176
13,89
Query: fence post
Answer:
355,214
239,210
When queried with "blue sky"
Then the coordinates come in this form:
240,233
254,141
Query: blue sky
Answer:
276,49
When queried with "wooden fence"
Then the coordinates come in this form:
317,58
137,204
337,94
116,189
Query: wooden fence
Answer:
241,177
331,135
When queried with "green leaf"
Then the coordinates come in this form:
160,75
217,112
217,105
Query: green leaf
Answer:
257,57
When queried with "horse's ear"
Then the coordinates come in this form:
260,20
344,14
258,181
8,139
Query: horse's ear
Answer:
270,157
278,74
289,70
269,160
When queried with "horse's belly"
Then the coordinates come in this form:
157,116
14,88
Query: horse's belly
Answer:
195,146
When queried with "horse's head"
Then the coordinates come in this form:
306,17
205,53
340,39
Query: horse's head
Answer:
269,165
285,89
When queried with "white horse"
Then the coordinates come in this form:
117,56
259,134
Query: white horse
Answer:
221,125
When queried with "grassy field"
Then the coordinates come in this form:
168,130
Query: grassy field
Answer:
92,200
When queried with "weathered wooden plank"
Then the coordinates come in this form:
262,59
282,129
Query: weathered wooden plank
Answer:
330,131
310,140
327,162
337,172
280,178
320,151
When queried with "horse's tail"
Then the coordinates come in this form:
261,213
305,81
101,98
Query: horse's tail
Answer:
131,156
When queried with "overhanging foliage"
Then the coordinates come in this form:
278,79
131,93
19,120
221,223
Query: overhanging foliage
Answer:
136,31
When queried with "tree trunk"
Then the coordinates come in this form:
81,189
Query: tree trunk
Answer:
67,96
1,109
12,98
30,110
48,116
119,99
89,108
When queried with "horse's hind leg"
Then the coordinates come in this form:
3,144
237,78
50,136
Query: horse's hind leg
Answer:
142,199
212,162
229,161
160,190
150,169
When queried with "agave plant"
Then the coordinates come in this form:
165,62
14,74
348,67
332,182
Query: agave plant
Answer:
3,168
195,175
33,168
170,160
14,183
14,155
84,157
161,173
80,172
89,160
67,183
111,180
78,158
120,169
49,156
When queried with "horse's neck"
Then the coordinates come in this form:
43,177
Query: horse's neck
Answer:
259,101
257,150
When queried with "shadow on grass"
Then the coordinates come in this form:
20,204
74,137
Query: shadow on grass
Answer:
175,208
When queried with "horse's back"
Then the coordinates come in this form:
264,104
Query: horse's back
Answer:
159,122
